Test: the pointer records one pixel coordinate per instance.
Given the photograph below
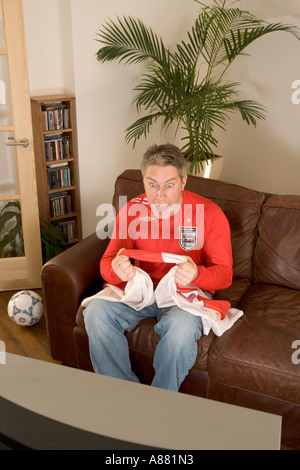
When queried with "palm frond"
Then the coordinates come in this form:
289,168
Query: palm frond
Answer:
222,34
161,89
129,40
207,35
250,111
140,127
240,39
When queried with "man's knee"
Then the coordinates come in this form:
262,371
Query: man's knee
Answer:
180,324
95,313
106,314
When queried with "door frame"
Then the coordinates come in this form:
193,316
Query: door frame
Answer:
21,272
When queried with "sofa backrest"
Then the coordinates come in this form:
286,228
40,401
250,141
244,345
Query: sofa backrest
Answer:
277,253
241,206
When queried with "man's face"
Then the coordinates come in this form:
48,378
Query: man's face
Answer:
163,187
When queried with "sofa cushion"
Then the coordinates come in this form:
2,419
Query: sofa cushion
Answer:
234,292
130,184
256,353
241,206
277,254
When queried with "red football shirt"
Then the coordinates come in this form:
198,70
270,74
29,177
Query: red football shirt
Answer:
199,229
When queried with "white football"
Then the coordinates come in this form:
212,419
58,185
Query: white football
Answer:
25,308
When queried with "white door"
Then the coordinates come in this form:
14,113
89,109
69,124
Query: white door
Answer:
20,243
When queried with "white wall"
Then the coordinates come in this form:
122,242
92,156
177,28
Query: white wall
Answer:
267,158
104,94
61,49
49,66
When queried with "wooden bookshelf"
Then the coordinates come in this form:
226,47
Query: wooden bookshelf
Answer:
56,162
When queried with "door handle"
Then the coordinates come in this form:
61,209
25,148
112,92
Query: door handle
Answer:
23,142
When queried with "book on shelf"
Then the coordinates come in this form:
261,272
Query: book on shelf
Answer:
57,147
68,227
60,204
55,116
59,175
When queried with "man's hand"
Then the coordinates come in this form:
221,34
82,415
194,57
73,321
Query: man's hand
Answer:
123,268
186,273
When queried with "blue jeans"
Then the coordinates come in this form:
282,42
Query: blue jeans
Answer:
175,353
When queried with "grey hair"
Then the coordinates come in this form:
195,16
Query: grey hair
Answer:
164,155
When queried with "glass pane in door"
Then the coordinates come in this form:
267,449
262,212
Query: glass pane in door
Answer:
5,103
11,234
9,183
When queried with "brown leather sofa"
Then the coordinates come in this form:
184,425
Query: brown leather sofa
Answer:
255,364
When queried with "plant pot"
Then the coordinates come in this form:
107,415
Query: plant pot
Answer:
210,169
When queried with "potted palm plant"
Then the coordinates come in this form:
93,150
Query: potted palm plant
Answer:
175,87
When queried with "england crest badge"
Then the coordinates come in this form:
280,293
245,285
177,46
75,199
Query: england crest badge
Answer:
188,238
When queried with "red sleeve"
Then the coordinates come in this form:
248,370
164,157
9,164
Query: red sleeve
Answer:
217,272
118,240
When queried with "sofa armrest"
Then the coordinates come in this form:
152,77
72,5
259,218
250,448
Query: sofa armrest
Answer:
66,280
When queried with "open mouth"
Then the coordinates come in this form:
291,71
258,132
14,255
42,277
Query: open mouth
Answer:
164,210
161,207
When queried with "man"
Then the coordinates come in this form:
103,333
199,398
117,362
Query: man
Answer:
167,218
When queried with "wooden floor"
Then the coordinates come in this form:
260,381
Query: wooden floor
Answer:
24,341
